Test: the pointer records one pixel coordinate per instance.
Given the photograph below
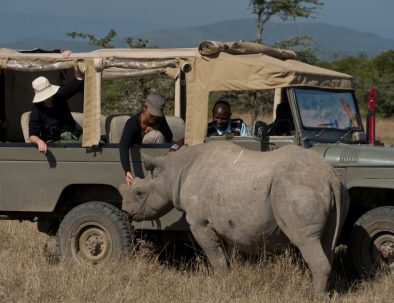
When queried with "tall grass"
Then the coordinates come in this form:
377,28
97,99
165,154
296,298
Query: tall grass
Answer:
30,273
385,130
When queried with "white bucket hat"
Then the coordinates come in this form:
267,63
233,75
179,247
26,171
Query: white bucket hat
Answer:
43,89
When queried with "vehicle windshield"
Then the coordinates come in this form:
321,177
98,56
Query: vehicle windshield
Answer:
327,109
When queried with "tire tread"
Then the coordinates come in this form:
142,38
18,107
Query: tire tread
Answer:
117,216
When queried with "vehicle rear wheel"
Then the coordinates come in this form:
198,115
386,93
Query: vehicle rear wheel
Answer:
372,242
94,232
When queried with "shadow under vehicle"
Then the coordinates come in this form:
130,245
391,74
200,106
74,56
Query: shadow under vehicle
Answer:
72,190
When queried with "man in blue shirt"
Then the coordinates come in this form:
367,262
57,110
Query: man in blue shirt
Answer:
223,125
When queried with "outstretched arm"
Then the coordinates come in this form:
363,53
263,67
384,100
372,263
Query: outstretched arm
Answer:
35,131
125,143
70,89
41,145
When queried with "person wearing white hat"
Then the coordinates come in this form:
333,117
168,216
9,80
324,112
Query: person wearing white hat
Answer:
50,115
148,127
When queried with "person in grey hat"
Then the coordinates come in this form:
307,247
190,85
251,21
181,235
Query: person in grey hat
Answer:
50,116
147,127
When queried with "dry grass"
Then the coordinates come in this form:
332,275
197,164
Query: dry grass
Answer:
28,274
385,130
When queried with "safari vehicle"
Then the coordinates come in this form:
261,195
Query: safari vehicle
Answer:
71,192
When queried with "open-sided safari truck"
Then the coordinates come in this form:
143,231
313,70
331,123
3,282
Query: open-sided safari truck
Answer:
72,190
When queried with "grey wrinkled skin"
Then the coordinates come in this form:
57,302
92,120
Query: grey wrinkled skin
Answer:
250,200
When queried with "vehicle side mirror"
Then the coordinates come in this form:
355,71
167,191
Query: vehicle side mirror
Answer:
259,129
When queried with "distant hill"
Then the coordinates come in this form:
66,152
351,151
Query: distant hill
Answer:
50,44
330,39
55,27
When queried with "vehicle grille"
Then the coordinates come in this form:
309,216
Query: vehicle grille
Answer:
349,156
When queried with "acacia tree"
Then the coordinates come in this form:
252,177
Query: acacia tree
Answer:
304,46
106,40
284,9
123,95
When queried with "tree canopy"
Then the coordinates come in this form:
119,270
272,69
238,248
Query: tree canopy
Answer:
127,96
107,40
284,9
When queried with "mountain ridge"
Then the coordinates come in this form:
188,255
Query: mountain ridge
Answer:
330,39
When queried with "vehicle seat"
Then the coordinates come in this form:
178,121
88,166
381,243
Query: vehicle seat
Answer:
78,117
115,124
283,124
25,126
177,126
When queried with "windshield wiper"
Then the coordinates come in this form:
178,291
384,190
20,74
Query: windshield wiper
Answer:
343,137
317,135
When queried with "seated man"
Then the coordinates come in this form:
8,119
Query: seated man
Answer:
222,124
283,124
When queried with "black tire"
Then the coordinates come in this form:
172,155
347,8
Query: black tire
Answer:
94,232
371,245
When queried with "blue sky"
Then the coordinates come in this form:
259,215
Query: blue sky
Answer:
367,15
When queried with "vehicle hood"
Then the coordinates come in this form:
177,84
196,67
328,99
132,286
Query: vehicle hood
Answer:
357,155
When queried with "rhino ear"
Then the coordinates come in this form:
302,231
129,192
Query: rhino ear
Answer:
151,162
122,188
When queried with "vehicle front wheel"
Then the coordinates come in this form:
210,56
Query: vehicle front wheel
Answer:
372,242
94,232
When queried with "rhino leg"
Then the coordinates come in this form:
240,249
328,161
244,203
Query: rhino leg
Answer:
209,241
318,262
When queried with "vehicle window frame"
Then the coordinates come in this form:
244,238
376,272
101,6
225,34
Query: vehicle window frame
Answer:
344,130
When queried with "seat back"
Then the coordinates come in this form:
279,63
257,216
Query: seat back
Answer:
177,126
115,125
25,126
78,117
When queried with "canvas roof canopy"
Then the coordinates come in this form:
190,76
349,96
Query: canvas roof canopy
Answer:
248,72
219,72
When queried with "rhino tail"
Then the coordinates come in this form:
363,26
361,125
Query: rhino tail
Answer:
341,200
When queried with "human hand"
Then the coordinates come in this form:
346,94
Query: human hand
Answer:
42,146
78,74
129,178
229,136
66,53
174,147
147,129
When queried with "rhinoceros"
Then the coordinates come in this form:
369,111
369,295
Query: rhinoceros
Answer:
247,199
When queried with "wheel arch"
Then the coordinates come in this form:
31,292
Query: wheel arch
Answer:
76,194
363,199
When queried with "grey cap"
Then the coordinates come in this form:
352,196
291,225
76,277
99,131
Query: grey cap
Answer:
155,105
